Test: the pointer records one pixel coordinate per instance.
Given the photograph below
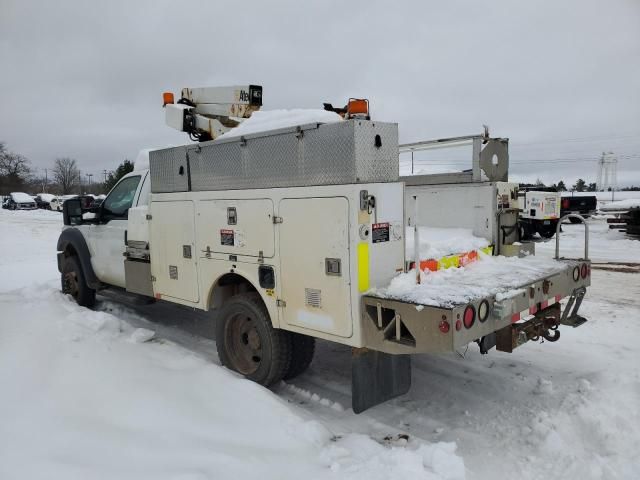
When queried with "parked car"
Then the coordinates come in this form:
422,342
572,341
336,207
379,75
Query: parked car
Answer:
56,203
19,201
99,199
43,200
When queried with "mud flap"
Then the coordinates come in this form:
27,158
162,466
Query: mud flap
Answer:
377,377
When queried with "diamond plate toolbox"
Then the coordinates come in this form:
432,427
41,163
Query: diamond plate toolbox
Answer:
353,151
169,170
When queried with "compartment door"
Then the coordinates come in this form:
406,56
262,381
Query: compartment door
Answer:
172,246
314,264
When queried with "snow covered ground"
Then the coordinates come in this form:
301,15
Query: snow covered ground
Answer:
84,396
605,245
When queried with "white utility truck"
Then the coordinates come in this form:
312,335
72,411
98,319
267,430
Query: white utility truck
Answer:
539,212
295,234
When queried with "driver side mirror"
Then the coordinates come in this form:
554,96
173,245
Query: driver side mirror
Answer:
72,211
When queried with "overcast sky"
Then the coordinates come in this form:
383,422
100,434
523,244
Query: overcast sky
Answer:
561,79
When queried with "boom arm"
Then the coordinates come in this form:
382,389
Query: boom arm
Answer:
206,113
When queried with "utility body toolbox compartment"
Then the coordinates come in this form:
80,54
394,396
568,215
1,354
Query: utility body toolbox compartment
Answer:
346,152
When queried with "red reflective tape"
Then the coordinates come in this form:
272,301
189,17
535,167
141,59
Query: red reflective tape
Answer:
515,317
158,296
544,305
533,310
558,297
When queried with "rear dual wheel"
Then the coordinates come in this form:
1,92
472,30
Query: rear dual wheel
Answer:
248,344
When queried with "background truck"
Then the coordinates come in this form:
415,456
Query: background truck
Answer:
539,211
296,233
581,204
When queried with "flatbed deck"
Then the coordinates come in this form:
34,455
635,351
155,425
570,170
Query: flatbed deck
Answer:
434,316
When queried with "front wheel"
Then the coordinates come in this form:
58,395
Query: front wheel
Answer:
74,284
247,342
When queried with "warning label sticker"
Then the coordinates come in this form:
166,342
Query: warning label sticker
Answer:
380,232
226,237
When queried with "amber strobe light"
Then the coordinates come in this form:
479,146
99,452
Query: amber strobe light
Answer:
358,106
167,97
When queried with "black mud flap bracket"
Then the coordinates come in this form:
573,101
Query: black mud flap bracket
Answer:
570,315
377,377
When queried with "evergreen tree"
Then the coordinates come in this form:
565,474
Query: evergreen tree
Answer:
579,185
115,175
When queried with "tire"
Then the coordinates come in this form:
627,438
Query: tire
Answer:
302,349
247,342
547,231
525,231
73,283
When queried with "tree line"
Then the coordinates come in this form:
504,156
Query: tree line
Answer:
18,175
580,186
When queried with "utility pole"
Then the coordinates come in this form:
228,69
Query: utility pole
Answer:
89,175
104,172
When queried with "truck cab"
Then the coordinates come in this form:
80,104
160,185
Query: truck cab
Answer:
98,238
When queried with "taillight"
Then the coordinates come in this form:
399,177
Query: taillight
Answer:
565,203
444,326
584,271
483,310
469,316
576,273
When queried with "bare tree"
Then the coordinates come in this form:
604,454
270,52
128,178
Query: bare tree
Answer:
14,170
13,165
66,174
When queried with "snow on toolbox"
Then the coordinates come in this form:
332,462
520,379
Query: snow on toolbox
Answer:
311,218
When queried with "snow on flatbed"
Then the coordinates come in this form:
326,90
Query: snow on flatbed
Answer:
489,276
81,399
439,242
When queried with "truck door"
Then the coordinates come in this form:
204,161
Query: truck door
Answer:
314,264
106,239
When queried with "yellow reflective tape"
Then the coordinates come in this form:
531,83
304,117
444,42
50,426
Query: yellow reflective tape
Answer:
487,250
363,267
452,261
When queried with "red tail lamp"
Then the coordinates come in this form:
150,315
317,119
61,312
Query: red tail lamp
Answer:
444,326
584,271
469,316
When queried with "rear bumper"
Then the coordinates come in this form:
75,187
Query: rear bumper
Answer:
397,327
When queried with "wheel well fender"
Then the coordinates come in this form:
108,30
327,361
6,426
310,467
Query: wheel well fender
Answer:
226,286
72,242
